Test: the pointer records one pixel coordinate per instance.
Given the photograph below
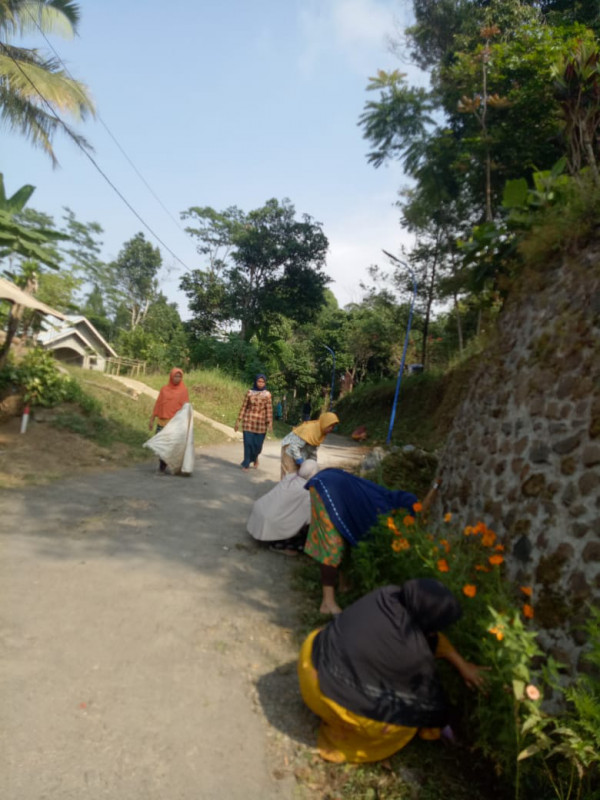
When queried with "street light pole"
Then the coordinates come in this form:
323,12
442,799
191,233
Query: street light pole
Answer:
401,370
332,376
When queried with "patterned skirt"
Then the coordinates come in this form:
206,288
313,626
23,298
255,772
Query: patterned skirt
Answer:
323,542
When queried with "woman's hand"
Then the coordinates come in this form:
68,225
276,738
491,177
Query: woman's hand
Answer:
235,427
472,675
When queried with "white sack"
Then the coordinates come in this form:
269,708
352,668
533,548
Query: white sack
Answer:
175,443
282,512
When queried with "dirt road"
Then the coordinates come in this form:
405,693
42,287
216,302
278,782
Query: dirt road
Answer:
141,630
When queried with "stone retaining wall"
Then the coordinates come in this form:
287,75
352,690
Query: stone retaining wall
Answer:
524,451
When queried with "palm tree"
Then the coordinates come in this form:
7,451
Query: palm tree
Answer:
33,87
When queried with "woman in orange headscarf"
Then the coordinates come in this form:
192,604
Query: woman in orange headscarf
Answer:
173,396
302,442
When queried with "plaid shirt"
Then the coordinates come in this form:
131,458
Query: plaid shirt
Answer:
256,413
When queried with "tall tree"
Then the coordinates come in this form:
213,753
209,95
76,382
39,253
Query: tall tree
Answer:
135,271
31,243
260,263
33,87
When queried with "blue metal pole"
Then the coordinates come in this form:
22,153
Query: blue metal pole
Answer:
401,370
332,376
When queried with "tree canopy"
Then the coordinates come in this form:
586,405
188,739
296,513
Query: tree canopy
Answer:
261,263
33,87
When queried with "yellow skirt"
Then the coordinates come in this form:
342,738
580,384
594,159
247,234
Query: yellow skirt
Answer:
343,735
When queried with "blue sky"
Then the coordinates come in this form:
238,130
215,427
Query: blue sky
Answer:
221,104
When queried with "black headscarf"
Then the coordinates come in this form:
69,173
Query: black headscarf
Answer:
376,657
255,387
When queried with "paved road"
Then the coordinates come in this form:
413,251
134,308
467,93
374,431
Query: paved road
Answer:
136,620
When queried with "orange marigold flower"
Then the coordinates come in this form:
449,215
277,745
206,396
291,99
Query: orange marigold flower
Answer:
447,517
497,632
468,530
417,507
445,544
470,589
442,565
392,525
408,520
488,538
527,590
400,544
481,568
528,611
499,548
495,560
480,527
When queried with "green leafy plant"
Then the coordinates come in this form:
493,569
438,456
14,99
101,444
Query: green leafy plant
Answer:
37,377
568,745
470,563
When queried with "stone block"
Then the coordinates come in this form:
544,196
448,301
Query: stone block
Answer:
552,410
557,428
542,541
570,494
591,455
578,586
583,387
534,485
565,387
579,530
567,445
520,445
591,552
516,465
536,405
588,482
568,465
566,410
539,452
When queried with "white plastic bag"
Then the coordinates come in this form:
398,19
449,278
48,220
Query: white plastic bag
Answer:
175,443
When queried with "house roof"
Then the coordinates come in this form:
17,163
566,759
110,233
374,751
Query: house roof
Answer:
55,333
11,292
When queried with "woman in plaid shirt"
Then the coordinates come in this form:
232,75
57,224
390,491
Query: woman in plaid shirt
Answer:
256,418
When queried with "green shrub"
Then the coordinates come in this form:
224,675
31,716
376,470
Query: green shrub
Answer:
39,378
42,384
506,724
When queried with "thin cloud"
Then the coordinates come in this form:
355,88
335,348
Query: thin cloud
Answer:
356,243
357,29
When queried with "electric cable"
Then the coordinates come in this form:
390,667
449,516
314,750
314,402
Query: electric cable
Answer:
68,131
105,126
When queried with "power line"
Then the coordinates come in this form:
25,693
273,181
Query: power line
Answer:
110,133
66,128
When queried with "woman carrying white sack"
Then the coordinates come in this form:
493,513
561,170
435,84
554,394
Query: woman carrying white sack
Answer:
174,440
281,517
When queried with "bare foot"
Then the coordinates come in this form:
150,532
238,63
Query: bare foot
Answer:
284,551
256,464
330,608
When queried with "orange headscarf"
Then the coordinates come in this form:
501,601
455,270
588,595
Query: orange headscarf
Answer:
171,397
312,432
